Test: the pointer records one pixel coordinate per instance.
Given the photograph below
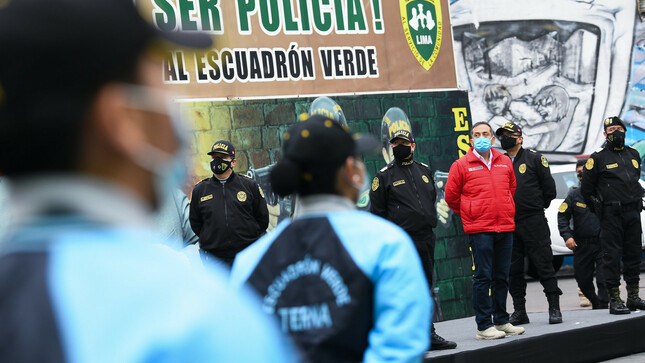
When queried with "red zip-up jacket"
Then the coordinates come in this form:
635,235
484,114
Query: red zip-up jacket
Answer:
483,198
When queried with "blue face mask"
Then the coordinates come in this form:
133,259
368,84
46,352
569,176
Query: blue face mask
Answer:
482,144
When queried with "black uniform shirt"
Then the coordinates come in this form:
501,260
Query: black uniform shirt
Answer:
228,216
404,193
612,175
585,223
535,185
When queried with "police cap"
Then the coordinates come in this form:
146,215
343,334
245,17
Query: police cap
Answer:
222,147
509,126
613,121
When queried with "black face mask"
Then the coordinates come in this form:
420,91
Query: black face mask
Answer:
220,166
579,176
401,151
616,139
507,142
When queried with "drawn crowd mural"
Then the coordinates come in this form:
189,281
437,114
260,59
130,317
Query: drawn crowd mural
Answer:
555,67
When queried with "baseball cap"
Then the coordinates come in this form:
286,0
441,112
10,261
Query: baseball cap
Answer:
74,45
612,121
312,150
319,139
223,147
509,126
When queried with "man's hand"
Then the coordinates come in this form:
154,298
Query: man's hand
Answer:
443,211
571,244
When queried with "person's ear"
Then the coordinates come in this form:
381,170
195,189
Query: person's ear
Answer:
472,142
414,146
114,122
233,163
492,140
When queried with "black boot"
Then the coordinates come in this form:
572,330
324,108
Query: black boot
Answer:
519,316
616,305
633,301
555,316
439,343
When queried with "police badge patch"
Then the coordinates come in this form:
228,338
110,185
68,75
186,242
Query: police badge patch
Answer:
241,196
374,184
522,168
544,162
425,179
635,163
563,207
589,164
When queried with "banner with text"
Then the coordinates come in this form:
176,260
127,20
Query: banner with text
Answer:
273,48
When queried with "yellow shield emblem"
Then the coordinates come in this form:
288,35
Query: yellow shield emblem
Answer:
545,163
635,163
425,179
241,196
522,168
375,184
589,164
563,207
423,29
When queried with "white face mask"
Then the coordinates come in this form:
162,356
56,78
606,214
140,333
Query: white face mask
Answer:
169,169
362,186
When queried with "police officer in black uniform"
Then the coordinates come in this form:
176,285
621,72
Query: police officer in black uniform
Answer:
532,238
584,241
610,183
227,211
404,193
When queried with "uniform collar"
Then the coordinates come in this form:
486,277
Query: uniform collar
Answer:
324,203
228,180
95,199
404,162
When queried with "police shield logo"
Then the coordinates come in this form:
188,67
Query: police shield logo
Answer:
423,28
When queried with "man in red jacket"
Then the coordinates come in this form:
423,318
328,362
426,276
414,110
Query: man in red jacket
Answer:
480,189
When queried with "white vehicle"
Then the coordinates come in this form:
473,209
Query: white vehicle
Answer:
565,176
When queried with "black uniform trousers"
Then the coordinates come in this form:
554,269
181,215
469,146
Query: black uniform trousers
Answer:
425,249
532,238
620,236
587,260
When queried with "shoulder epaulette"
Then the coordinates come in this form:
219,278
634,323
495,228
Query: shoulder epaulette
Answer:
533,151
423,164
384,168
244,175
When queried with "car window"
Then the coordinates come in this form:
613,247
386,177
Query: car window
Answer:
563,181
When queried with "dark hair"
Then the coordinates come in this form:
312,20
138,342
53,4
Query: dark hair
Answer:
581,162
481,123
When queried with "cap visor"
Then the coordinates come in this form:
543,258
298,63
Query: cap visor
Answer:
186,39
366,144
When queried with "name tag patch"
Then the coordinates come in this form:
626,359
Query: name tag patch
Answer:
398,182
611,166
476,168
581,205
208,197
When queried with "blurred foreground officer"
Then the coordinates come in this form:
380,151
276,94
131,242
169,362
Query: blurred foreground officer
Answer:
480,189
584,241
83,277
227,211
403,192
346,285
535,191
610,183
